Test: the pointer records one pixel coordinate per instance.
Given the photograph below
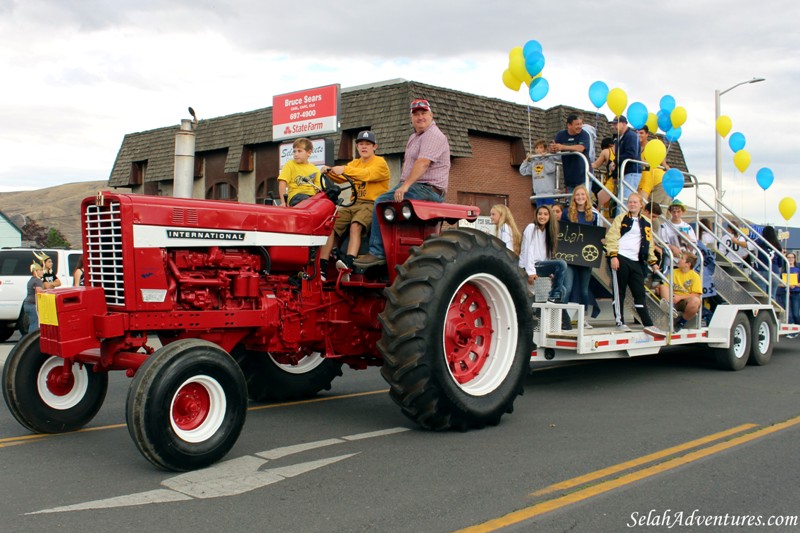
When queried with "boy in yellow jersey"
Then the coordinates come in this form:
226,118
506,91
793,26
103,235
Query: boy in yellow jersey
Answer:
297,173
370,173
687,290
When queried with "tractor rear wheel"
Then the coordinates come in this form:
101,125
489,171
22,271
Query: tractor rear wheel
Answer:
187,405
457,332
271,381
44,399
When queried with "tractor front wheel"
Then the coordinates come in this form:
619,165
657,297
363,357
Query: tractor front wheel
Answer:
187,405
457,332
44,397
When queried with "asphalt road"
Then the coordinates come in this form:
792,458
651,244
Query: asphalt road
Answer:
590,447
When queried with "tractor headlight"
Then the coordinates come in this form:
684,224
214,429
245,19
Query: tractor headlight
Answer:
406,212
389,214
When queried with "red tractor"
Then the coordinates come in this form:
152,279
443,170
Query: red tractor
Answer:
233,293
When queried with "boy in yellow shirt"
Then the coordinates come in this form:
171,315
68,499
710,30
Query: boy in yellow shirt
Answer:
297,173
370,173
687,290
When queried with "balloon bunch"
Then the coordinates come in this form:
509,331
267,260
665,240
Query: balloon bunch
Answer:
737,142
525,64
670,118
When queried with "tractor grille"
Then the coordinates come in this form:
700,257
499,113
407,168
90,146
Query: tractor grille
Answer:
104,251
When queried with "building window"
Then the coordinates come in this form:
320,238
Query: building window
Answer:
138,171
221,191
482,200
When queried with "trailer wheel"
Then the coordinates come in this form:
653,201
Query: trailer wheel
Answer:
763,329
41,398
457,332
271,381
187,405
734,357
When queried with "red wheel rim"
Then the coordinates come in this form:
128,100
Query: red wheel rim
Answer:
58,383
467,333
191,406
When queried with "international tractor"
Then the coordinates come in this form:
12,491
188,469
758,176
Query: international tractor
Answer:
233,294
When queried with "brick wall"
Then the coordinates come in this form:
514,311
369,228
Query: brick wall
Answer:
489,171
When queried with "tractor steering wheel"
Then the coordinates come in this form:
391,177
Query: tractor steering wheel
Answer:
329,185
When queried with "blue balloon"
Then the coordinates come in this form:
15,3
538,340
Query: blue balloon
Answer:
534,63
539,89
531,46
598,93
637,115
765,177
667,103
736,141
664,121
672,182
673,134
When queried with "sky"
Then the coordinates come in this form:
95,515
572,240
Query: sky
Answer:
80,74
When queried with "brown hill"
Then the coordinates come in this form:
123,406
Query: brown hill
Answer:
54,207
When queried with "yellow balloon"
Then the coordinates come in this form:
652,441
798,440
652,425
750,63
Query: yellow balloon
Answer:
617,101
724,125
516,63
787,207
678,116
741,159
652,122
654,153
510,81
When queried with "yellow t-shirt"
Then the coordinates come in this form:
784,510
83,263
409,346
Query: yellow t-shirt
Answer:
686,283
292,173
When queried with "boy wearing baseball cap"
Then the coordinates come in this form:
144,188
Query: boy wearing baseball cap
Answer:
370,173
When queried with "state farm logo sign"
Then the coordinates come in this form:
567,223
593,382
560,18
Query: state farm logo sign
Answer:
304,113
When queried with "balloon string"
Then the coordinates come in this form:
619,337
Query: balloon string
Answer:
530,135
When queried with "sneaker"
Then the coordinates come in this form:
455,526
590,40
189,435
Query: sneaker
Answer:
676,325
341,265
655,331
623,328
586,325
369,260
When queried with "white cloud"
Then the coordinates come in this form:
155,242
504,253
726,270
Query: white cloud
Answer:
81,74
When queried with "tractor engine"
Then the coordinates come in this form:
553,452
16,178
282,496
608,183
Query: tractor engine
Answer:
217,278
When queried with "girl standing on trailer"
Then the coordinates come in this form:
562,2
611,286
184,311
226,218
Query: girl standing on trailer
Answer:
580,211
506,229
539,245
629,242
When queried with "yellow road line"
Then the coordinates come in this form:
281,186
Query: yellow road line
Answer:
595,490
12,441
582,480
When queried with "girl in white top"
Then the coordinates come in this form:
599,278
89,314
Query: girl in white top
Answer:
506,228
539,244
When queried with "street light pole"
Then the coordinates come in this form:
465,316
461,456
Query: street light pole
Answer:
717,136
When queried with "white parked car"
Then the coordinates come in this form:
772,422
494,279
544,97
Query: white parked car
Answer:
14,275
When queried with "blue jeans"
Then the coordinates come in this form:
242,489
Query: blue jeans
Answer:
794,307
632,180
33,316
417,191
558,269
579,276
764,285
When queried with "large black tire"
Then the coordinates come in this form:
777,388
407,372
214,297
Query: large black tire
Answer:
39,399
734,357
187,405
270,381
764,335
6,330
457,332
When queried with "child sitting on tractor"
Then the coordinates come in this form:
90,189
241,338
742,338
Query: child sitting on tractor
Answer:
370,173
